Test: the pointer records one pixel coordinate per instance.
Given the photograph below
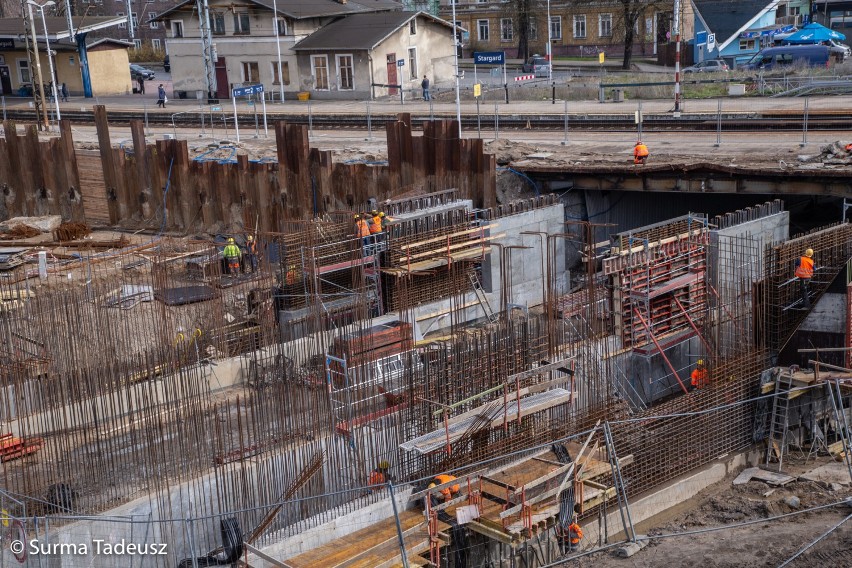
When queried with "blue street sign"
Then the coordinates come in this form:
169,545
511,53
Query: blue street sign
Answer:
216,108
400,62
488,58
251,90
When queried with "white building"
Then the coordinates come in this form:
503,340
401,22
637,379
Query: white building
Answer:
346,57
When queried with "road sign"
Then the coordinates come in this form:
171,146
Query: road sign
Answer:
477,90
489,58
524,77
601,57
400,62
250,90
711,42
215,108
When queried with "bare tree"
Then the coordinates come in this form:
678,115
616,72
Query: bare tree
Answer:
631,14
522,13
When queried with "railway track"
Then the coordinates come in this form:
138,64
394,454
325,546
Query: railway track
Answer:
731,122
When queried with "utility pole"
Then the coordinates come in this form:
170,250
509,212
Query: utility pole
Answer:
130,19
456,56
207,48
35,63
676,30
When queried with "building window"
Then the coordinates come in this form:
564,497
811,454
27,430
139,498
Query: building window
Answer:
135,20
580,26
555,27
24,71
507,32
747,45
412,26
123,24
319,69
412,63
533,29
241,23
217,24
285,71
156,44
482,26
346,73
251,75
605,25
154,25
282,26
137,44
177,28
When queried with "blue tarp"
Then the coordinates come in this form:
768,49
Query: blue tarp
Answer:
814,33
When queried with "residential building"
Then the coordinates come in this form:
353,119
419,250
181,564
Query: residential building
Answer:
354,55
576,28
339,64
738,28
834,14
793,12
140,15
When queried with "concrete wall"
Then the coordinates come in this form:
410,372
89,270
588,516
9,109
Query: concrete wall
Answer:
827,316
108,66
525,270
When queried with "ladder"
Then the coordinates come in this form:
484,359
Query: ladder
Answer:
480,295
618,481
777,441
841,425
339,391
373,288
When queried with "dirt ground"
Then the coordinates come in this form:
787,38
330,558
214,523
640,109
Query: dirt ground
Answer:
762,544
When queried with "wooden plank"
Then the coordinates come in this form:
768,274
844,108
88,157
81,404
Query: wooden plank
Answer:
490,532
72,189
107,163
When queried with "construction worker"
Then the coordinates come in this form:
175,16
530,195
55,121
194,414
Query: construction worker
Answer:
699,375
292,275
232,255
804,272
447,492
380,475
376,227
362,229
251,252
640,153
575,534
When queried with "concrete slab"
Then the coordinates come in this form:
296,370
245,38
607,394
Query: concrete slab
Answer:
830,473
770,477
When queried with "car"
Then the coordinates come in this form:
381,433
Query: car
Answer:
840,51
775,57
137,71
537,65
708,66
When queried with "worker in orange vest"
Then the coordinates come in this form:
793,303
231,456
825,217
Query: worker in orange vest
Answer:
362,229
640,153
251,252
804,272
699,375
376,227
448,492
575,534
380,475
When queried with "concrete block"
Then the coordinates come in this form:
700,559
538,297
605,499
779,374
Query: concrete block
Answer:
632,548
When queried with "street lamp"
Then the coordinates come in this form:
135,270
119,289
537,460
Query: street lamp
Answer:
53,81
549,48
456,58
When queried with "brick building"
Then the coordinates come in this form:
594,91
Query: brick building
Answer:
146,34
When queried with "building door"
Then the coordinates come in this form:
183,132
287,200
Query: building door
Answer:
223,88
392,80
5,80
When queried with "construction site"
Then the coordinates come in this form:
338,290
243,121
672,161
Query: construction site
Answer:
564,357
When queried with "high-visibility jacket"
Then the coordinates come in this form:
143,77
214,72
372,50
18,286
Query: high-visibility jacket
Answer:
447,491
232,251
805,267
376,227
292,275
640,151
361,228
575,533
699,378
377,478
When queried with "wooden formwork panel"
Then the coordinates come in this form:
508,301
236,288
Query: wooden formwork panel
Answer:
92,186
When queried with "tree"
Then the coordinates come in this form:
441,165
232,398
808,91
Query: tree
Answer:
522,13
631,13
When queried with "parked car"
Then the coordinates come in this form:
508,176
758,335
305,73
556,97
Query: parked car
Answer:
137,71
840,51
708,66
537,65
774,57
